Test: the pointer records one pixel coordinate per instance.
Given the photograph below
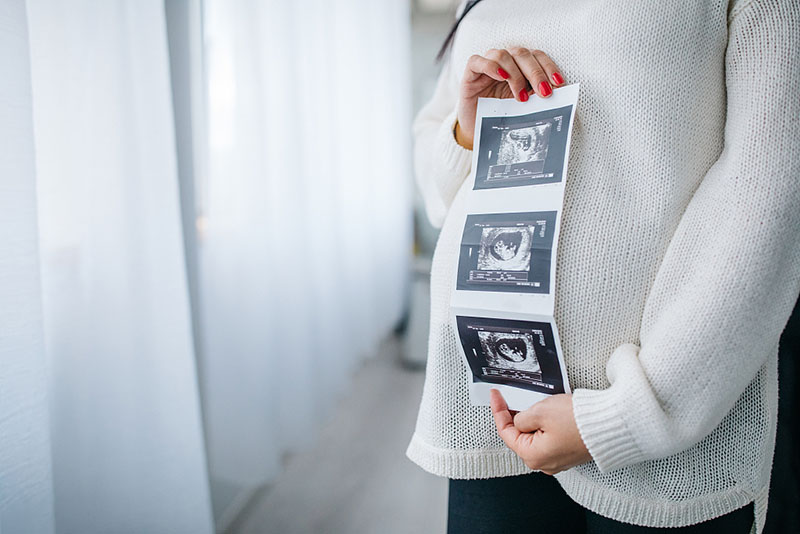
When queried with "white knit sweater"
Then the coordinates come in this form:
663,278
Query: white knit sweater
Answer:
679,253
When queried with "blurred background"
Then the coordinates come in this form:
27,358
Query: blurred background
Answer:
213,267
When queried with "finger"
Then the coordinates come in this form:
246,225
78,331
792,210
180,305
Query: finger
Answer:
503,420
478,66
529,420
550,68
533,71
516,80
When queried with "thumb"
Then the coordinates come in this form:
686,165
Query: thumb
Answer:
530,420
503,420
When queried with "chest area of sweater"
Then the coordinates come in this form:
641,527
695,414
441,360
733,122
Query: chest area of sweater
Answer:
641,45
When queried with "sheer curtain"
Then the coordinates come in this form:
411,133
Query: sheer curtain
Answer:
26,481
305,216
125,405
127,443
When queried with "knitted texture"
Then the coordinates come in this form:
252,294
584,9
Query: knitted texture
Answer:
679,252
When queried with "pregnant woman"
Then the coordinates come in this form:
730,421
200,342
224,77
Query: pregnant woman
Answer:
678,264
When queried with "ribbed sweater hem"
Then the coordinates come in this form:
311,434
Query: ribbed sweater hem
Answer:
644,512
465,464
491,463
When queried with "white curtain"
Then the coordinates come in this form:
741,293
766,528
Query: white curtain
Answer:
300,180
26,481
127,450
306,216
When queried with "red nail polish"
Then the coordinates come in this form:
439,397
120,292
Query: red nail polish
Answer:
523,95
557,78
503,74
544,89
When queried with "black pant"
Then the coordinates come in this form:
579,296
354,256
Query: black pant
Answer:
535,502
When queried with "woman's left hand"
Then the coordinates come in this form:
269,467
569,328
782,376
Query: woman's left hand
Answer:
545,435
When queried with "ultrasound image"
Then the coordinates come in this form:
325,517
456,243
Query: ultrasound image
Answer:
523,150
524,144
508,252
505,248
512,351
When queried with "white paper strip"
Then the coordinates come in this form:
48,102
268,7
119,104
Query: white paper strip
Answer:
503,301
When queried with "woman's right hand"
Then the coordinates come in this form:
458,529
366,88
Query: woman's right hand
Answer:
513,73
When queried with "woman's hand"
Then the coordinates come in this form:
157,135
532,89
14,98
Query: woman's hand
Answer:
545,435
513,73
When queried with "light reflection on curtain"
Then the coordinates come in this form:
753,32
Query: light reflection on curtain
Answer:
26,479
127,450
307,216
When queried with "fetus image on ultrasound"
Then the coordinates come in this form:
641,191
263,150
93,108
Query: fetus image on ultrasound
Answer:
523,150
508,252
507,249
505,246
525,145
512,351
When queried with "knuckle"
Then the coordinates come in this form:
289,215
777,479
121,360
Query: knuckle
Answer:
538,74
543,58
518,51
492,53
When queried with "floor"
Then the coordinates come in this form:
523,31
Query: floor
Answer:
357,480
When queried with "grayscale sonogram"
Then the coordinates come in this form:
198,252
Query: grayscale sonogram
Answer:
513,352
510,252
509,351
523,150
506,248
523,145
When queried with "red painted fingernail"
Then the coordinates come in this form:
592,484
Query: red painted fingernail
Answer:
523,96
544,89
557,78
503,74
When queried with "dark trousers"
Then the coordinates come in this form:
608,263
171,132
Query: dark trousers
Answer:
783,513
536,503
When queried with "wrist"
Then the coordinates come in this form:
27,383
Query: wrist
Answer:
460,137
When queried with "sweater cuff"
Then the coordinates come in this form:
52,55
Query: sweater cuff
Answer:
601,421
455,159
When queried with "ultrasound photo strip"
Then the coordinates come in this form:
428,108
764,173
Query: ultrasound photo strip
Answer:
503,301
507,252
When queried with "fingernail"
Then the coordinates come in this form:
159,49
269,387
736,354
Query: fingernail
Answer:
557,78
544,89
523,96
503,74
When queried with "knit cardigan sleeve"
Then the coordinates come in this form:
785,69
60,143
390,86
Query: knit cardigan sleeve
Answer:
731,272
441,165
